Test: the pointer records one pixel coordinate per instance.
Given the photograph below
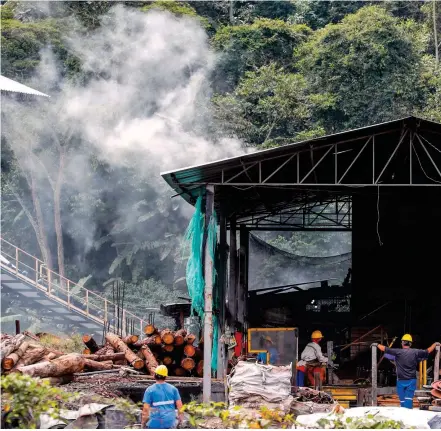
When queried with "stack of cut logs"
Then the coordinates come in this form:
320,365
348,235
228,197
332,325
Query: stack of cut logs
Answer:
23,353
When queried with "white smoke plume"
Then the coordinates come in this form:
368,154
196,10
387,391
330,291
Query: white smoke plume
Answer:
145,104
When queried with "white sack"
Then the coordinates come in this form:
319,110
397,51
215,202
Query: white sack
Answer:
272,384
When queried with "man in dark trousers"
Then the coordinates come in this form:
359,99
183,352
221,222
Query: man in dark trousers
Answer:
160,403
406,360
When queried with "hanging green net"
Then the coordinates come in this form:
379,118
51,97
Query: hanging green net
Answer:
194,272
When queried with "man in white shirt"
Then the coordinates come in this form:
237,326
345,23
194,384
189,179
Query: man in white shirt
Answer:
312,359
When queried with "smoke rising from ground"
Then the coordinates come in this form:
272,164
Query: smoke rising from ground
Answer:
142,103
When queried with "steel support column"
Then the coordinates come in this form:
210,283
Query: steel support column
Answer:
374,374
208,296
243,276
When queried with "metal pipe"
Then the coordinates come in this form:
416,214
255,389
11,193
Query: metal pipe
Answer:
208,296
374,374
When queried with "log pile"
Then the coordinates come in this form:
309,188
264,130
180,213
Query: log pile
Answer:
23,353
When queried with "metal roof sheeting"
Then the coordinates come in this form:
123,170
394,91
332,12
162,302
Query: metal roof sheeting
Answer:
7,84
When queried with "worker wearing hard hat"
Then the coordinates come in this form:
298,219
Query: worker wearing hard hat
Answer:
406,360
271,355
160,403
312,360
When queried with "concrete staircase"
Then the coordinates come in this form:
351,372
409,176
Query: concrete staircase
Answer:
27,277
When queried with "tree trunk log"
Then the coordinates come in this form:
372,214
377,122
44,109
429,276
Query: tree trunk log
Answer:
112,357
190,338
11,344
119,345
86,351
187,364
97,366
130,339
189,350
150,329
32,356
67,364
158,340
90,343
167,336
11,360
167,360
168,348
150,361
107,349
180,337
149,341
179,371
200,368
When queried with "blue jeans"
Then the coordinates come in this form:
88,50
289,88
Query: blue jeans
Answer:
300,378
406,391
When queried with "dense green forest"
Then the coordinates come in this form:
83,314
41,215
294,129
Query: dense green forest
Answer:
138,88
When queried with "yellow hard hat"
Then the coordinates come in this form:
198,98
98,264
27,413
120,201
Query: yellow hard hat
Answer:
407,337
161,370
316,334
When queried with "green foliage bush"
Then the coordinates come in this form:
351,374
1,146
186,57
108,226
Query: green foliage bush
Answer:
25,399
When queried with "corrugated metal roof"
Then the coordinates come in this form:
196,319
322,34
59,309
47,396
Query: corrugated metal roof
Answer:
7,84
187,182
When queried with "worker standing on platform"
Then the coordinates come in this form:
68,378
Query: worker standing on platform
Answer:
160,403
312,360
406,360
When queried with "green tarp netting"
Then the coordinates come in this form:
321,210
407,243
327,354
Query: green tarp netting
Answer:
194,272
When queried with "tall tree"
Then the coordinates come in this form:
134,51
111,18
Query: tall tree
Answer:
372,63
247,47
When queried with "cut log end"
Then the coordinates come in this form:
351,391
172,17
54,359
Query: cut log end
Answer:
200,369
179,340
86,351
188,364
190,338
138,364
179,371
167,336
168,360
150,329
168,348
189,350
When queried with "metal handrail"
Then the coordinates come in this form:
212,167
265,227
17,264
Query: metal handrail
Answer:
54,288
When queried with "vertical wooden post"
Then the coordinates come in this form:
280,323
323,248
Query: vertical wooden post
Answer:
87,302
424,373
374,374
222,366
232,284
243,276
436,364
330,352
17,327
105,311
68,293
208,296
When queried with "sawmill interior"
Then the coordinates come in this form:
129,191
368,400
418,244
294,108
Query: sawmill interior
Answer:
381,185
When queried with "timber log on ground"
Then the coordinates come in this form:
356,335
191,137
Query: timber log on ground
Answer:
24,353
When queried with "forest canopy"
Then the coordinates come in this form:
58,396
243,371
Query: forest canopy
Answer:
140,87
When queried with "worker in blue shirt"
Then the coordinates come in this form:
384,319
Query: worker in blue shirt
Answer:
274,356
406,360
160,403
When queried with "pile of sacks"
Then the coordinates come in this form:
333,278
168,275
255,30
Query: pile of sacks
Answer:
253,385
